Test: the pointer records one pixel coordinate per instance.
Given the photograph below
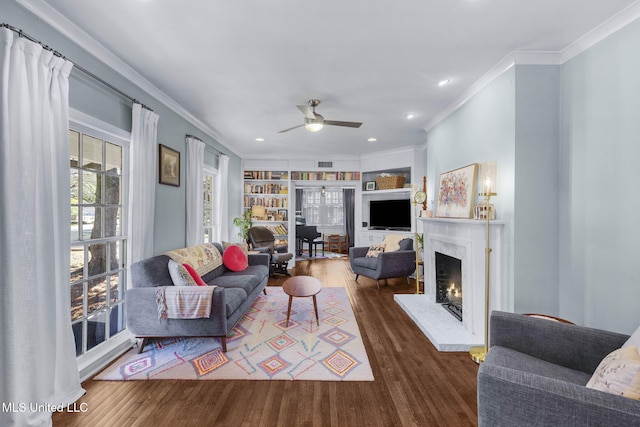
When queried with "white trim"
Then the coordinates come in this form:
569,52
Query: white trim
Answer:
92,362
70,30
83,119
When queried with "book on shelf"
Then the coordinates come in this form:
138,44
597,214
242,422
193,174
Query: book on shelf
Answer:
267,175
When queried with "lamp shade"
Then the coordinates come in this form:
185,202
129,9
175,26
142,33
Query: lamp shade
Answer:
488,179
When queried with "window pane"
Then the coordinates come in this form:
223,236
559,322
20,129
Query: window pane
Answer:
117,319
96,332
112,190
116,288
90,190
77,299
91,153
207,235
77,263
112,222
77,334
121,247
97,294
114,158
97,259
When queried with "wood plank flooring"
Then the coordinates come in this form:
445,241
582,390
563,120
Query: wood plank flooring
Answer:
415,385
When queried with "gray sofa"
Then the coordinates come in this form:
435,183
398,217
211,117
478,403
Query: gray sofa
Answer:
535,375
400,263
234,293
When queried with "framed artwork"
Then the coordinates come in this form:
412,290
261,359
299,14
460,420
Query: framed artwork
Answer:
456,192
169,161
283,214
370,186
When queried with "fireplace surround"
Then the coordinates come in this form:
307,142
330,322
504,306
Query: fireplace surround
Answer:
465,240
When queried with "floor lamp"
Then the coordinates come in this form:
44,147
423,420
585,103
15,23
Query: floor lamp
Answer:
488,172
418,198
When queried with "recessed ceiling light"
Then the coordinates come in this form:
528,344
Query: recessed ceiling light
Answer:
372,139
259,139
411,116
443,82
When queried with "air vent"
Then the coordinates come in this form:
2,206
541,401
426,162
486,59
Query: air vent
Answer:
325,164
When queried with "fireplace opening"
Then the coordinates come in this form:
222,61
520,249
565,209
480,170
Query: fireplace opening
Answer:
449,284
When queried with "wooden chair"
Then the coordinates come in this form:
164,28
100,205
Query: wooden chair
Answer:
344,244
333,243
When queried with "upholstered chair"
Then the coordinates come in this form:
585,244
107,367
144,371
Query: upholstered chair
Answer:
397,263
262,240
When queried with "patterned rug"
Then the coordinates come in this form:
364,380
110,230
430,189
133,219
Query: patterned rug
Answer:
261,346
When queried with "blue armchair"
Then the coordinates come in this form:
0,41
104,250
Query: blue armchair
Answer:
400,263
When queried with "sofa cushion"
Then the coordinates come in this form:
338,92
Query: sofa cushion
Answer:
245,282
179,274
375,250
365,262
233,298
619,373
260,271
508,358
235,259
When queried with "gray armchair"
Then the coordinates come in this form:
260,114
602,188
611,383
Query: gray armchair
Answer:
262,240
400,263
535,375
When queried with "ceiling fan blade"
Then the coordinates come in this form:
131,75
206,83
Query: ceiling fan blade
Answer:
295,127
339,123
307,111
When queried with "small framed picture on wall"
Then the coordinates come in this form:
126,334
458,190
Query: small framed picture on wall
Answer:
169,164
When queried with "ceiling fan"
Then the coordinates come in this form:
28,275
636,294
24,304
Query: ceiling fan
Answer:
313,121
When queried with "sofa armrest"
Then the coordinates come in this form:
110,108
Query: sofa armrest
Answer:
517,398
259,259
141,309
571,346
396,263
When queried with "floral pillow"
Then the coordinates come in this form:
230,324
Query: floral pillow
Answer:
619,373
375,250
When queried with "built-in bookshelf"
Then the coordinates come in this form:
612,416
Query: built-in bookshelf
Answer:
266,194
324,176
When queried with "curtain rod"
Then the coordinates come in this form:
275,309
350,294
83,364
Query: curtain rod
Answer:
205,144
78,67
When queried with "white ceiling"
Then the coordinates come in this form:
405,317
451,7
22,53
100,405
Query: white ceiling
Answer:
242,66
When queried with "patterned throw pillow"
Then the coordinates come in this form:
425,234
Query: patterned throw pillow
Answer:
618,373
374,250
179,275
225,245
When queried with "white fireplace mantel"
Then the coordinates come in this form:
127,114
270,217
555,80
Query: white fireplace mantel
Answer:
464,239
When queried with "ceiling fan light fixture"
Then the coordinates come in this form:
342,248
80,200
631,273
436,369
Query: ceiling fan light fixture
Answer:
314,125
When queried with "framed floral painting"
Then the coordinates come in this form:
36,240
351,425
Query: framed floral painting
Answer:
456,192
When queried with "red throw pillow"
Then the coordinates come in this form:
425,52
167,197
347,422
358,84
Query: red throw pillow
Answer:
235,259
195,275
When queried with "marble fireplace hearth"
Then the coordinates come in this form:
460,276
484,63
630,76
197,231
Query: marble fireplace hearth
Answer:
465,240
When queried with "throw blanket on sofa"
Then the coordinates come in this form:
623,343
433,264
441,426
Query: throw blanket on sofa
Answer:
184,302
203,258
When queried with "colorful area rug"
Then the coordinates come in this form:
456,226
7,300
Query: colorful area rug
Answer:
262,347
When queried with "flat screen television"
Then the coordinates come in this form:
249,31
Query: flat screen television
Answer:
390,215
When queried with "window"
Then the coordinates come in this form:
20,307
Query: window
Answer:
208,212
98,236
323,207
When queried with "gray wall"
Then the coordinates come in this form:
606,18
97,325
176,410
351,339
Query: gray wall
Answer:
599,201
100,102
513,121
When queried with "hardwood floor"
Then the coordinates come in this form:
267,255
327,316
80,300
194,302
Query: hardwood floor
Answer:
414,385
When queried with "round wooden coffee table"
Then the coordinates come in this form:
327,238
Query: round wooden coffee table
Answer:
302,286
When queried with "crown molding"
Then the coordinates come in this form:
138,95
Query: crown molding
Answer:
67,28
602,31
618,21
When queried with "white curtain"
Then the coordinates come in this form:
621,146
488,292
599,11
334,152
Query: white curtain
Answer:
143,169
37,351
195,164
221,231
